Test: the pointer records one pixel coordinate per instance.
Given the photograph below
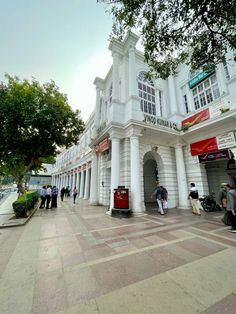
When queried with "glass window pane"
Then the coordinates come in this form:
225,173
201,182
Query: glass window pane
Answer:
209,96
196,103
202,100
144,88
200,87
141,103
194,91
207,83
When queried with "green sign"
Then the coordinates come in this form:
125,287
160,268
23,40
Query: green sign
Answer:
198,78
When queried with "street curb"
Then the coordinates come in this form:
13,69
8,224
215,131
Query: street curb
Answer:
18,221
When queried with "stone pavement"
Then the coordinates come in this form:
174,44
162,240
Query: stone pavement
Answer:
77,259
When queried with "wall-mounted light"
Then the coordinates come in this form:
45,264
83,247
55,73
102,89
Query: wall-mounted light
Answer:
155,148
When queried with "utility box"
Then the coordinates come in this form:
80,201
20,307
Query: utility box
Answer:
121,198
121,202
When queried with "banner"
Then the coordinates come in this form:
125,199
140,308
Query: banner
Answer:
204,146
213,144
220,155
102,146
197,118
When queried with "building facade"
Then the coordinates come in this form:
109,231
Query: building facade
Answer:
174,131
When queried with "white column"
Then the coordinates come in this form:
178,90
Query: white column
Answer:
94,176
115,76
181,177
97,108
172,95
81,191
86,191
73,181
64,180
77,181
132,74
115,168
135,175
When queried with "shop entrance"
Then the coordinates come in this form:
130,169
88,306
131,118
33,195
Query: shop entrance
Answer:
216,174
152,166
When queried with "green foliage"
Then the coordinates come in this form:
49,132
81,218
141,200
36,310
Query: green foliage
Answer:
35,120
25,203
195,32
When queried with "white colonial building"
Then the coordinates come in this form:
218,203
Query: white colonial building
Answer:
174,131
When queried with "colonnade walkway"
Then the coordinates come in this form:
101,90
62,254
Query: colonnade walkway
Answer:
77,259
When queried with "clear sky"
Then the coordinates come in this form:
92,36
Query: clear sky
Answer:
61,40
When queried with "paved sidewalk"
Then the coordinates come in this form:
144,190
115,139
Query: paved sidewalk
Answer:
77,259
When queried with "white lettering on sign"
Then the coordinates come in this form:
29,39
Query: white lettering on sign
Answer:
226,140
157,121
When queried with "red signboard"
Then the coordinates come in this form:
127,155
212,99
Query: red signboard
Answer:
197,118
204,146
102,146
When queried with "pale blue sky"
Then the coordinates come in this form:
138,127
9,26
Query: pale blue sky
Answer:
62,40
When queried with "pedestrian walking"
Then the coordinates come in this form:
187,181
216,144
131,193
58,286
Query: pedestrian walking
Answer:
222,196
164,196
194,199
231,207
43,196
62,193
54,197
75,192
158,195
222,202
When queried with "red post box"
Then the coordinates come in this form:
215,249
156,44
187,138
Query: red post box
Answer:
121,198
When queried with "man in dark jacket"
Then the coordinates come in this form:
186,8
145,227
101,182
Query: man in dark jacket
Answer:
231,207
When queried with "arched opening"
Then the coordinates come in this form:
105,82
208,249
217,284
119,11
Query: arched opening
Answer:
152,169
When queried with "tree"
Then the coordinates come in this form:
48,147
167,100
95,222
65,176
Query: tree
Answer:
35,121
197,32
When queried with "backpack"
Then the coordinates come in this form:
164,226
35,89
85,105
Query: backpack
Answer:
164,193
158,193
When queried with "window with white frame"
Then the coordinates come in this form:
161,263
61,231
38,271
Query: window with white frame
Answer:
186,103
205,92
146,92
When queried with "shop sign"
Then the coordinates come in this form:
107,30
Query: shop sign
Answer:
102,146
198,78
219,155
204,146
226,140
213,144
156,121
197,118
